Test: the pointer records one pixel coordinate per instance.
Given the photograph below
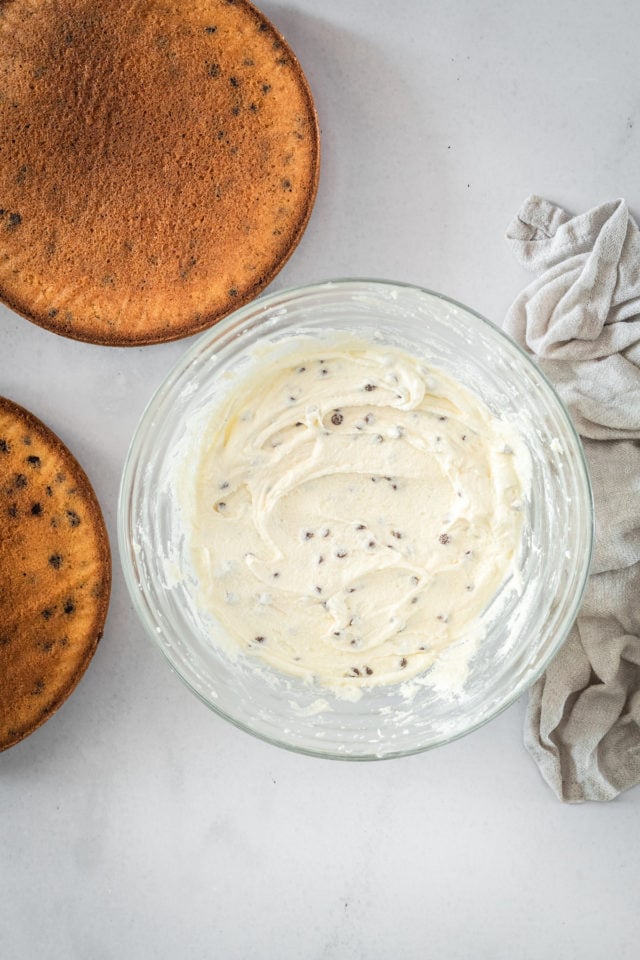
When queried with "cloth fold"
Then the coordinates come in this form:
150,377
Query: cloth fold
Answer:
581,320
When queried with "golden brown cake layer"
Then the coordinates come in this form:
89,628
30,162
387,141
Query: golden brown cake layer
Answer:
158,163
55,573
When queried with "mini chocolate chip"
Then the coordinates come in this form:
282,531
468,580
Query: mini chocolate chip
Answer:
210,29
13,510
53,312
337,419
49,491
353,643
224,485
221,505
286,184
14,221
69,607
469,586
396,534
20,481
55,560
326,533
309,535
442,418
266,87
234,81
235,111
47,614
301,369
336,633
318,589
467,553
36,509
379,438
463,437
444,538
263,27
403,662
355,672
275,576
368,671
394,486
371,543
38,687
369,387
414,599
34,461
233,292
341,554
4,640
324,371
299,423
361,526
320,559
351,590
4,446
415,581
259,639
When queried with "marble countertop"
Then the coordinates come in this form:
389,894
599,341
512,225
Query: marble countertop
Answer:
137,824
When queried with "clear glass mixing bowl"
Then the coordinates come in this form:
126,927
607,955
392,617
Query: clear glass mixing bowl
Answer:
522,633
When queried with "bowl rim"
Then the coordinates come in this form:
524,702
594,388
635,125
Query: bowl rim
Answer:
205,340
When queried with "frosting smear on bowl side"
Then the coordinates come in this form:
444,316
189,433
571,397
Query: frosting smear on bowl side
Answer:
352,512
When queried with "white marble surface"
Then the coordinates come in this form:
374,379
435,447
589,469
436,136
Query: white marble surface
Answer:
136,824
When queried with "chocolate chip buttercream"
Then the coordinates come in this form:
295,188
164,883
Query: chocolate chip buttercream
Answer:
353,511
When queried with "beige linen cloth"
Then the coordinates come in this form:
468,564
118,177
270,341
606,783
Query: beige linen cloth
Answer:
581,320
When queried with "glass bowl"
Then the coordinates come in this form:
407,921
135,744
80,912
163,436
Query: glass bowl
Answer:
523,632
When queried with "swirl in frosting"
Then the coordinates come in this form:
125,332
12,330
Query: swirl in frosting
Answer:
353,511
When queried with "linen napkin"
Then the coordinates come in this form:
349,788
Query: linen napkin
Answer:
581,320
